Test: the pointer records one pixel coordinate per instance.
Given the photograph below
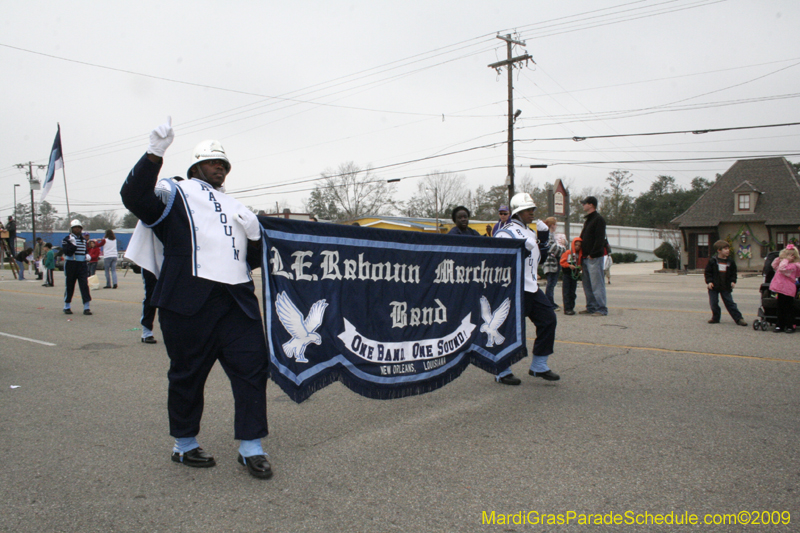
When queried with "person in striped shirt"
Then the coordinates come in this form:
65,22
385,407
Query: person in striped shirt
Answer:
75,268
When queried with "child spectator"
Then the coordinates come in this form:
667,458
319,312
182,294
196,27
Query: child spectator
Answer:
787,270
571,263
93,251
720,275
49,265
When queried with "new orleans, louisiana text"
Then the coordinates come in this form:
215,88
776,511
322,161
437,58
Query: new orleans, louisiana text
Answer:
331,267
632,518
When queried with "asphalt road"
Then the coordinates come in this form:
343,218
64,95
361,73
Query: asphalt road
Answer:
657,412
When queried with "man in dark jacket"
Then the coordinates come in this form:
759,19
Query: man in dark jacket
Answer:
208,309
593,239
721,278
11,227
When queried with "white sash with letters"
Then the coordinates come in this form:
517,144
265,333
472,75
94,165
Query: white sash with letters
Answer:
219,242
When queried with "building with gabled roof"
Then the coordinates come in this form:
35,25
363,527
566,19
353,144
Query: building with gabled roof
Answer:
755,205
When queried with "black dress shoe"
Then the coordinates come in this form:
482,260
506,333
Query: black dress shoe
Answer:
149,340
115,285
510,379
257,465
67,311
196,458
87,312
569,313
107,287
549,375
712,321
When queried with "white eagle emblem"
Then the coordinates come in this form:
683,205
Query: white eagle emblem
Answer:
492,322
301,329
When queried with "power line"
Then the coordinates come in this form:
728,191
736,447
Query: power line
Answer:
695,132
677,160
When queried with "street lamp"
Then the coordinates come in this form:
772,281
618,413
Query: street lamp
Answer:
15,200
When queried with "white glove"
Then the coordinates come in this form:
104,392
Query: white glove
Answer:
161,138
248,220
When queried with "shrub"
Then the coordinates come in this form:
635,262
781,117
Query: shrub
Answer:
628,257
668,255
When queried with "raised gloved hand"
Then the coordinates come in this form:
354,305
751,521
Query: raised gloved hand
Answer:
248,220
161,138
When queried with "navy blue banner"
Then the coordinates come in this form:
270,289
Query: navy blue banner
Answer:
388,313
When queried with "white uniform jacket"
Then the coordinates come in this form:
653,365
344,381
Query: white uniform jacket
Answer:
517,230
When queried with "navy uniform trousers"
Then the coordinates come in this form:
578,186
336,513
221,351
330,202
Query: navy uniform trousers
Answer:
76,271
219,331
539,309
148,311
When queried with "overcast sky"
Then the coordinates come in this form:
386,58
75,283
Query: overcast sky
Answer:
294,88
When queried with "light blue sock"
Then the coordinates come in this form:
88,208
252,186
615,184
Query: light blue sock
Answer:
66,306
539,363
146,332
85,306
185,444
249,448
504,373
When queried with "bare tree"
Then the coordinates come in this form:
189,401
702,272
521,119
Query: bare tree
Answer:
350,192
618,202
437,194
537,192
105,220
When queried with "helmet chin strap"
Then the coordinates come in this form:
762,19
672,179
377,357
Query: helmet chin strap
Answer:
203,177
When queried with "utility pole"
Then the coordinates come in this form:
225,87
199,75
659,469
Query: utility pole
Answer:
512,117
35,185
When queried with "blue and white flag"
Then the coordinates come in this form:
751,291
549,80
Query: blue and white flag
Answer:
56,162
388,313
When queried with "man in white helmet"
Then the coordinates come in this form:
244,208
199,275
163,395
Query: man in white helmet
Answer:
208,310
75,268
538,307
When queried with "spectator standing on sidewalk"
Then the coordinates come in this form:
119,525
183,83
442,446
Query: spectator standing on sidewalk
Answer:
11,227
607,264
93,251
503,214
552,266
721,279
38,255
593,246
109,244
571,265
49,264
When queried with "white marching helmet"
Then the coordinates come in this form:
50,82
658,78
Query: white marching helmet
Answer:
75,223
206,151
521,202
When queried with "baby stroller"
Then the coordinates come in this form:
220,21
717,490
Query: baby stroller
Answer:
768,312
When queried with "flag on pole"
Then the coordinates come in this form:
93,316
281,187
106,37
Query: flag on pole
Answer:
56,162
